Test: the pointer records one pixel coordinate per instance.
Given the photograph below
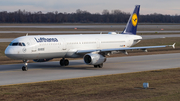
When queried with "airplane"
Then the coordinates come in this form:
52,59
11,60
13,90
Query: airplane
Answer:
93,48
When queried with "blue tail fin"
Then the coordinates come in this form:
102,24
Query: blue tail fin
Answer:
131,26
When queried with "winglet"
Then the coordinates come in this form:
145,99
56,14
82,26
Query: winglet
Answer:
174,45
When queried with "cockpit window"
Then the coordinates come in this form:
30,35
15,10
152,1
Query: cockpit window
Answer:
17,44
23,44
20,44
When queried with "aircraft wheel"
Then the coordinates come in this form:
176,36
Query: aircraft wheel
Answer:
100,66
95,66
66,62
24,68
62,62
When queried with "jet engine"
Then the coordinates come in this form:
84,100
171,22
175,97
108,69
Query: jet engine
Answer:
42,60
94,59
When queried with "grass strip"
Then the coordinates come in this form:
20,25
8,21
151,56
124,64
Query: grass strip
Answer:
164,86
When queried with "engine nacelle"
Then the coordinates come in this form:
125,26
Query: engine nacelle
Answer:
94,59
42,60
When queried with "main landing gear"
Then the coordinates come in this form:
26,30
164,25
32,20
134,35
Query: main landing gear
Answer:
25,68
100,66
64,62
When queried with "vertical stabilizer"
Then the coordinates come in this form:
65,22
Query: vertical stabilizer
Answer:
131,26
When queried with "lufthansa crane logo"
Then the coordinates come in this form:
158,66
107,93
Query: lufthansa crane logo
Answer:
24,50
134,19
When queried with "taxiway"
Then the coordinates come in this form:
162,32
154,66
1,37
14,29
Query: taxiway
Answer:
12,74
82,26
83,32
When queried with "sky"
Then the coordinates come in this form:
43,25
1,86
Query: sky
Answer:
93,6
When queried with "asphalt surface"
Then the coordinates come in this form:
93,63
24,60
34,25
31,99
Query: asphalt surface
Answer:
83,32
12,74
158,26
6,39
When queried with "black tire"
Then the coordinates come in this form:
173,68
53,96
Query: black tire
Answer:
95,66
24,68
100,66
66,62
61,62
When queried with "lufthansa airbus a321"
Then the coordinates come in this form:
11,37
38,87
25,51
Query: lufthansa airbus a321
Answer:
93,48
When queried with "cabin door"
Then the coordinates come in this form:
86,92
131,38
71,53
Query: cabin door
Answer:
64,44
98,43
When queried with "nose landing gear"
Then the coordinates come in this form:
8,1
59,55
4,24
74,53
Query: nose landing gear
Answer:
25,68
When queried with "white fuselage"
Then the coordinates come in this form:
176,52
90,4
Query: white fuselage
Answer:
58,46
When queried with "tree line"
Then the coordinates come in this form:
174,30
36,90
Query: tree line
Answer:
80,16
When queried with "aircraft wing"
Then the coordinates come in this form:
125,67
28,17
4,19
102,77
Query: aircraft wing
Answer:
146,38
123,49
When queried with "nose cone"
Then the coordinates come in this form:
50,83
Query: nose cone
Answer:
9,52
14,53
